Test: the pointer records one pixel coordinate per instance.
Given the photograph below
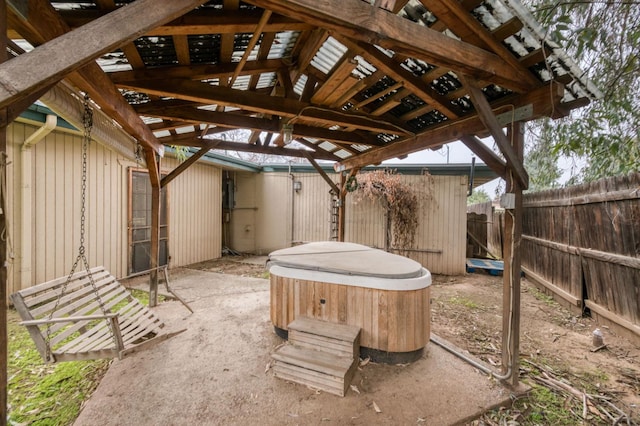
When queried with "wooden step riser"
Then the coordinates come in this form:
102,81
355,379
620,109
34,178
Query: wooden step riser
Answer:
325,344
331,384
301,372
330,330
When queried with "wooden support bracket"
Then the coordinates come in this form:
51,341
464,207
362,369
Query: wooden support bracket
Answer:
490,121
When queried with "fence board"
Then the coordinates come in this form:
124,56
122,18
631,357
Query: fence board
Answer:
585,240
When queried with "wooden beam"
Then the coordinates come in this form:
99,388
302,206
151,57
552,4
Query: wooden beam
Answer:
231,120
322,173
342,69
153,165
181,44
133,56
512,265
14,110
486,154
200,92
91,79
491,123
540,100
359,21
204,21
72,50
186,164
252,43
227,39
453,14
245,147
342,198
263,53
197,71
419,88
4,339
507,29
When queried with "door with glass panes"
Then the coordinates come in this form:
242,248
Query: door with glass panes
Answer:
140,222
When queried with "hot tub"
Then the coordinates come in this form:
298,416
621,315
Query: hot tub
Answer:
386,295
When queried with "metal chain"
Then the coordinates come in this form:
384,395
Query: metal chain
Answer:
87,122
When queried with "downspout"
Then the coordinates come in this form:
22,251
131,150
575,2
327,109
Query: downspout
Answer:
471,175
292,204
27,201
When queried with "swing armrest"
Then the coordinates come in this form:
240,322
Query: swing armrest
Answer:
68,319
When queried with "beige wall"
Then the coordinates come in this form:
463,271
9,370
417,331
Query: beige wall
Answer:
195,213
273,217
441,236
44,208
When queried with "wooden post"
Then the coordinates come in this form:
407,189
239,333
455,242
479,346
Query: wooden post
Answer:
342,196
153,164
512,270
4,354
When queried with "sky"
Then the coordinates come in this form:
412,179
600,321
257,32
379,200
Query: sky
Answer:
459,153
454,152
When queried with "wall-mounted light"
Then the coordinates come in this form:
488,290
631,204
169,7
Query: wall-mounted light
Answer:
297,185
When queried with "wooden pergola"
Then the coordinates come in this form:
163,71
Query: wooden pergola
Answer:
351,81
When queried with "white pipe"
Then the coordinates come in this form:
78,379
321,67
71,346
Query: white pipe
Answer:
50,123
27,202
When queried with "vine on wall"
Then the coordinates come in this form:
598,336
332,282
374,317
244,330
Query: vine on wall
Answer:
398,199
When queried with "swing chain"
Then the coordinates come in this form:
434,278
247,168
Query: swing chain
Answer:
87,122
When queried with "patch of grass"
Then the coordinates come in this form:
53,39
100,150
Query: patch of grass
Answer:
45,394
49,394
549,408
541,406
143,296
265,275
463,301
543,297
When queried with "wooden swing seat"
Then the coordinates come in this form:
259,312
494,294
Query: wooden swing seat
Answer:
78,328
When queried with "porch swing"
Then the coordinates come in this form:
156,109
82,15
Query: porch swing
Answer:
87,314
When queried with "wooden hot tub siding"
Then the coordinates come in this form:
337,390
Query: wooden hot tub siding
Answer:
391,320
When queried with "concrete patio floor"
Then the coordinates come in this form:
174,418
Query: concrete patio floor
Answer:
216,372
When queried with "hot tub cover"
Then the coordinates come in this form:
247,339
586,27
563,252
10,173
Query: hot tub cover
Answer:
346,259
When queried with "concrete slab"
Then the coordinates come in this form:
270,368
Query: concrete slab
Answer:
217,372
253,260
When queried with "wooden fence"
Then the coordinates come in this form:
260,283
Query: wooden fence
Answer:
583,244
484,215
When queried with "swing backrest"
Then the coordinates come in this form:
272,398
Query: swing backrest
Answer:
78,339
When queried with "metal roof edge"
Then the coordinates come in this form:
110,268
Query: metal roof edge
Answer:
527,18
222,161
451,169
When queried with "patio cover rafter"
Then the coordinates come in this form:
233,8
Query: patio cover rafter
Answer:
361,21
45,27
200,92
541,101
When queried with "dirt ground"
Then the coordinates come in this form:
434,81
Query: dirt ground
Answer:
466,311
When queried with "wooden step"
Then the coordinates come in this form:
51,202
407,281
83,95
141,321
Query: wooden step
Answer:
322,370
337,339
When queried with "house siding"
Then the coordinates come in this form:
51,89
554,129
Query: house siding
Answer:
441,231
44,217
